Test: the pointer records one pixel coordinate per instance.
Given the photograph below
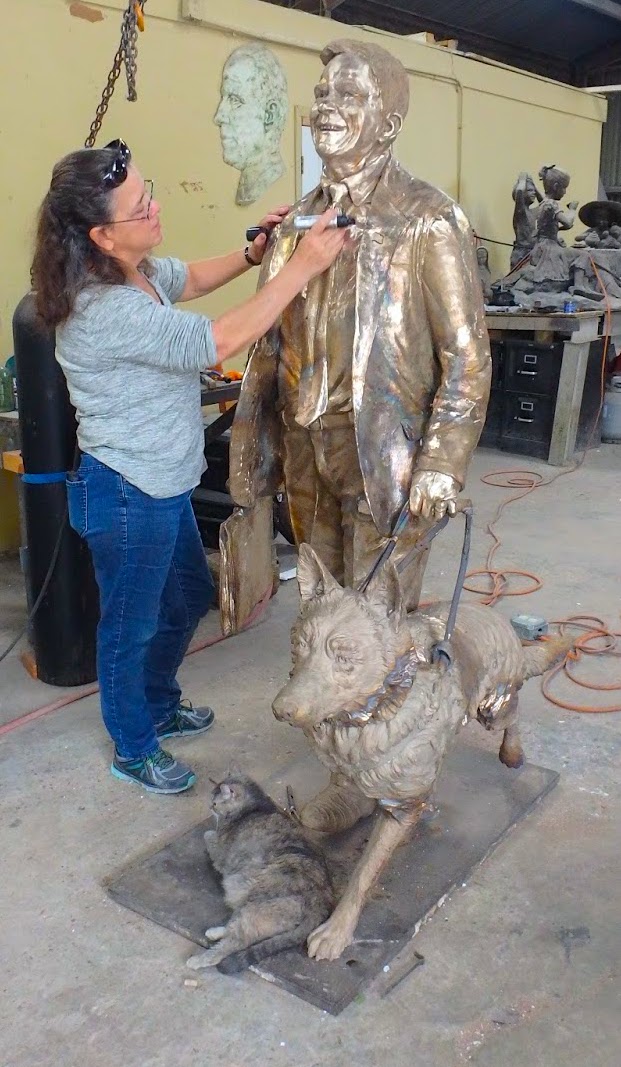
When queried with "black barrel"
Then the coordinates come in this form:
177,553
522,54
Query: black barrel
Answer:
64,628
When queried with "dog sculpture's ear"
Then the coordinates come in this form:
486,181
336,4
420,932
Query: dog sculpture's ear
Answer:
313,578
385,590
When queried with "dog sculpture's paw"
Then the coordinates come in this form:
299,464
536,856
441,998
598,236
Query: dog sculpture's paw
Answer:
330,940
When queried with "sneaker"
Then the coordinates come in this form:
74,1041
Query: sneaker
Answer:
186,721
159,773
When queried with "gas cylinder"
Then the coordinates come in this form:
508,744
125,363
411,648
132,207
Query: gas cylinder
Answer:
611,411
64,627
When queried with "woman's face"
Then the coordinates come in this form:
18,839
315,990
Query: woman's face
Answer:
134,230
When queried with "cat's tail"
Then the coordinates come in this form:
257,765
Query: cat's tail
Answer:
245,958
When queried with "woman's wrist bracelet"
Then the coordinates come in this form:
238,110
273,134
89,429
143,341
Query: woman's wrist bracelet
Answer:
249,260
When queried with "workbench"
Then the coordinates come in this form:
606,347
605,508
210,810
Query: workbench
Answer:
225,397
574,340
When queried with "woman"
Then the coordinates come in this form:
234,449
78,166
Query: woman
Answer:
132,364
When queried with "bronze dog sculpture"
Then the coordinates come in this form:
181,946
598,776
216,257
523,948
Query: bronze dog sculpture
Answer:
380,714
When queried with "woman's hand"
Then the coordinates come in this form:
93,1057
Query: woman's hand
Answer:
236,329
258,246
320,246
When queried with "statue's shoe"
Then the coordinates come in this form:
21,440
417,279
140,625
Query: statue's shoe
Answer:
338,807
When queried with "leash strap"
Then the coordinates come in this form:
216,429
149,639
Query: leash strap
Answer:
442,651
389,548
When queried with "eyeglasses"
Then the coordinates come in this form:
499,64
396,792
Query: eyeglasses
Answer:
146,213
117,173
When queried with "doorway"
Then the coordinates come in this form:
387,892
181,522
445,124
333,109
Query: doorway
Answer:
309,165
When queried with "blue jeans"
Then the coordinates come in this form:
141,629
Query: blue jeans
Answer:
154,587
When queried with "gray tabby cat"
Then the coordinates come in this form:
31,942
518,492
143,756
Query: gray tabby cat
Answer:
275,882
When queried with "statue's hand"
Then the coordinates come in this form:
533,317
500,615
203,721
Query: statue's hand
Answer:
433,494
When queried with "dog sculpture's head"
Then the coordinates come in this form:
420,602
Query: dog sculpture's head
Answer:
347,647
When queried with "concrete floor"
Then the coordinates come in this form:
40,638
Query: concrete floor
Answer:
521,964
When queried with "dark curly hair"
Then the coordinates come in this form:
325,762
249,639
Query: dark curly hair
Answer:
65,258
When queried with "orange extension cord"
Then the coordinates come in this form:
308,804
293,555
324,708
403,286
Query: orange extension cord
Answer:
595,638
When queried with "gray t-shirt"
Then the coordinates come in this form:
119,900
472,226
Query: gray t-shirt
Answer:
132,368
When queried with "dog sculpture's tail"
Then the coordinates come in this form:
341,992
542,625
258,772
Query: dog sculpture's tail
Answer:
543,655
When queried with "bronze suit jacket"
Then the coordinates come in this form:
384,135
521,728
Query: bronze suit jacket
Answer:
421,362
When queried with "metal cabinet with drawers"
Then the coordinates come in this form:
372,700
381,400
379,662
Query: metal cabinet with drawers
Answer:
523,399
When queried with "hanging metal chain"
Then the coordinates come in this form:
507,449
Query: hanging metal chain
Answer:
127,56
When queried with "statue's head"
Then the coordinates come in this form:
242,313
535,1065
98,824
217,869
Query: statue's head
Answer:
601,215
555,181
529,189
600,218
253,105
482,256
361,101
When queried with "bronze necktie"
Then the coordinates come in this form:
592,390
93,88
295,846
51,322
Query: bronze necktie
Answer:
313,393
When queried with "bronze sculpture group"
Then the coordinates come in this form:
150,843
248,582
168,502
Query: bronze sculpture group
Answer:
544,271
366,402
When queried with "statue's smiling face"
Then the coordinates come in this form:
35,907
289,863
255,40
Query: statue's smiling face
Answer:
347,118
530,192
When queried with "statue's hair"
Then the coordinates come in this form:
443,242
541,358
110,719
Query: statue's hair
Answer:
555,174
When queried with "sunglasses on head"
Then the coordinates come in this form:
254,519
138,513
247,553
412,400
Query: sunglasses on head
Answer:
117,172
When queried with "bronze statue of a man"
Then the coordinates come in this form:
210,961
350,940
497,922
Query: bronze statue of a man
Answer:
374,385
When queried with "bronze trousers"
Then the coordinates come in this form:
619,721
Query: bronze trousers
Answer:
329,509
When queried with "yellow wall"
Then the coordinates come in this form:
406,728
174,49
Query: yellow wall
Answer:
472,127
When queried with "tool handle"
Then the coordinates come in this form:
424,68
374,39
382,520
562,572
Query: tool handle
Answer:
253,232
306,222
